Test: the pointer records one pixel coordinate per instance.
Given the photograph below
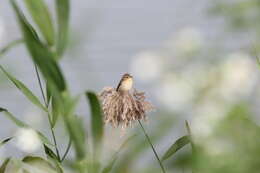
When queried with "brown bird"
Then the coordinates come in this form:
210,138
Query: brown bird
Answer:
126,83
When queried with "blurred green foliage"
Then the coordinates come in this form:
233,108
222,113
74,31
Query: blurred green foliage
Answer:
240,15
231,146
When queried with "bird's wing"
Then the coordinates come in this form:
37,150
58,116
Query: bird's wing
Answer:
119,84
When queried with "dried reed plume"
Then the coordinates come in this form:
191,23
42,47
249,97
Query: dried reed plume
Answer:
123,108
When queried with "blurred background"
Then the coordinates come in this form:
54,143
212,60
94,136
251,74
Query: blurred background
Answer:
196,61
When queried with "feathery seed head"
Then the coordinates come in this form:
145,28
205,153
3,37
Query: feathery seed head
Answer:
124,108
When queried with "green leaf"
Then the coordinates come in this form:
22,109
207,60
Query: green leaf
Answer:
41,16
48,93
96,119
74,126
38,164
2,109
190,135
28,165
53,158
181,142
55,100
40,54
5,141
50,153
111,163
55,111
63,10
24,90
77,135
3,166
12,165
21,124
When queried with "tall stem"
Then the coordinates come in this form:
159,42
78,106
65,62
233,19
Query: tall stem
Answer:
154,151
40,84
49,117
67,150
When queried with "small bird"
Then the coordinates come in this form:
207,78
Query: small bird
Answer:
126,83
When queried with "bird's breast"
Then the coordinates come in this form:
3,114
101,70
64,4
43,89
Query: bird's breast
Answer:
126,85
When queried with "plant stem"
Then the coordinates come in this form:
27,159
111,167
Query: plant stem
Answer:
54,138
154,151
40,84
49,117
67,150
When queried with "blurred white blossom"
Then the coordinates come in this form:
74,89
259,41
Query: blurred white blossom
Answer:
238,76
215,146
197,75
206,116
147,66
187,41
174,93
27,140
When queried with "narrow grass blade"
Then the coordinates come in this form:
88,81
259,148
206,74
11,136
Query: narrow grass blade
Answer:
4,165
40,53
24,90
5,141
180,143
41,16
188,127
190,135
14,119
109,166
63,11
10,46
193,147
21,124
96,119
